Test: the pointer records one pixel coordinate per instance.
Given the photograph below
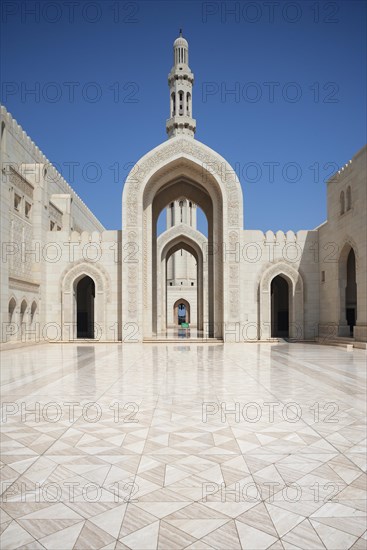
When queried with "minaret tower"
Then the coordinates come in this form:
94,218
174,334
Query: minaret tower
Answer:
180,81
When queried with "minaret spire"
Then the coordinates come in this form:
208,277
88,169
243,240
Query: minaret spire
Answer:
180,81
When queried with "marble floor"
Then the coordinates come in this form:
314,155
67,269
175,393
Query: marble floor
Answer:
177,446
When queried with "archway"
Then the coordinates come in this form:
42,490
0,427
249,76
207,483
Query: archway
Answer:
180,167
85,294
347,291
268,314
195,192
195,243
351,292
12,306
279,307
68,285
33,311
181,311
23,318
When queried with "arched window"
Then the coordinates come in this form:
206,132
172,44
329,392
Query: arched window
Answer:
181,204
173,98
180,95
23,309
12,306
342,203
33,310
349,198
188,104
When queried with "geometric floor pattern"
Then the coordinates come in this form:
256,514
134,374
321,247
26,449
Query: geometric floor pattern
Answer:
183,446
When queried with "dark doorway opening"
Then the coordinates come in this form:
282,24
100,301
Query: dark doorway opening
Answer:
351,292
85,294
279,307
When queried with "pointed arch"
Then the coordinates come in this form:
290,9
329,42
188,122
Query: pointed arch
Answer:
68,282
348,273
193,241
11,309
180,166
296,299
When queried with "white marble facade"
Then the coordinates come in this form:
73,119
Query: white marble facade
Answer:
65,277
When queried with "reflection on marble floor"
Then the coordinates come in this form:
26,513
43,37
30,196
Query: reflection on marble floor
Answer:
176,446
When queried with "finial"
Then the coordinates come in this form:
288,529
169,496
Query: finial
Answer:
180,32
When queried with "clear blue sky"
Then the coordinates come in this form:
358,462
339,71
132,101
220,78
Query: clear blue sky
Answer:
311,119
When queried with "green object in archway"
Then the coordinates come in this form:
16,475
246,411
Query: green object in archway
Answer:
185,325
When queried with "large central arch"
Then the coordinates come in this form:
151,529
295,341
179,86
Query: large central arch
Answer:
180,166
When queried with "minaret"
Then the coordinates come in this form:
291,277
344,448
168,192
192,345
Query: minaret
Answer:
180,81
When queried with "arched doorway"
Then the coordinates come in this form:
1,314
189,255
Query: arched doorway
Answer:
281,300
279,307
175,239
85,295
180,167
347,291
181,311
195,192
69,280
351,292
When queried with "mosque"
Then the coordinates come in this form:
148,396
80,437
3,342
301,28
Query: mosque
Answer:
66,278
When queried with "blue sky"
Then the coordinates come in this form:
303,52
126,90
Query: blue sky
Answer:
101,101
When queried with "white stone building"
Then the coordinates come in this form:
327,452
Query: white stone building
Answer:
65,277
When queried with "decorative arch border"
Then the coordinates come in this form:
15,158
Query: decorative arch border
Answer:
68,298
343,253
80,268
199,154
223,187
296,299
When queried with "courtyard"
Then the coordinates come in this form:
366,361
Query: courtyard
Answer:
186,445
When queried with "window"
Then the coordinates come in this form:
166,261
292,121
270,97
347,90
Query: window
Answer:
52,225
27,209
192,284
170,284
349,198
33,311
12,305
17,201
322,276
342,203
173,104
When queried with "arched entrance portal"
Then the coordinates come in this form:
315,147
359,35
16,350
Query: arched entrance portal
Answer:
281,302
180,167
279,307
85,294
181,311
